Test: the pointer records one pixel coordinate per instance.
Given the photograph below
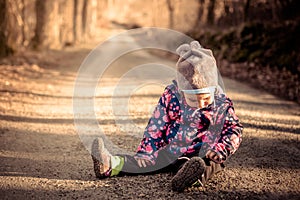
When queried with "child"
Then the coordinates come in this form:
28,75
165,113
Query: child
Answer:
193,129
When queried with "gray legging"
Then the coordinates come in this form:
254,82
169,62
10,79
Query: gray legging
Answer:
166,162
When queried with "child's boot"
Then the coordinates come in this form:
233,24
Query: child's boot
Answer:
190,173
101,159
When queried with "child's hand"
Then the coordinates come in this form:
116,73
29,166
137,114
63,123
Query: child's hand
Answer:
142,162
213,156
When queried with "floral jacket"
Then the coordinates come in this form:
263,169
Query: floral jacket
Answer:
184,130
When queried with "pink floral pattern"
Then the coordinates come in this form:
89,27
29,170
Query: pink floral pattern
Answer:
183,130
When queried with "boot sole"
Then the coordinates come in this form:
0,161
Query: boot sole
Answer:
191,171
97,147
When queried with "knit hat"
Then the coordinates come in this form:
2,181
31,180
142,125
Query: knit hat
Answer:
197,69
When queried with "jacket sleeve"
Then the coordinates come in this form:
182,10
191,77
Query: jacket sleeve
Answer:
231,136
155,132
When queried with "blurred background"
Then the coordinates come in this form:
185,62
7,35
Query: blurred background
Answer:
256,41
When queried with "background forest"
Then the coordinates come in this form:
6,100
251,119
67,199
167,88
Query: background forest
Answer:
253,40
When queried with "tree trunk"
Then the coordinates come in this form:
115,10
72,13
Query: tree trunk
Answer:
66,13
226,8
92,20
47,25
75,20
84,17
5,50
246,10
211,12
200,13
39,37
23,17
171,14
78,20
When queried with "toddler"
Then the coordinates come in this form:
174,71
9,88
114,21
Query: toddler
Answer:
192,132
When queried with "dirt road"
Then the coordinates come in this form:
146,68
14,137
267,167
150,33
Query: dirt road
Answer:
42,156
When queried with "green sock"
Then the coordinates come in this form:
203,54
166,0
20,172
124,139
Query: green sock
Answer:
117,163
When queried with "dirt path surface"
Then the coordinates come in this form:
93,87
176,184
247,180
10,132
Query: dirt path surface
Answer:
42,156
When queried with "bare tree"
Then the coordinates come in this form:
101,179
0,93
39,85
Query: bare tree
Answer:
75,20
246,10
211,12
5,49
23,17
171,13
200,13
84,17
79,21
47,25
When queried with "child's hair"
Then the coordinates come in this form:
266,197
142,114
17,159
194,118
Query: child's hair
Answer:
196,67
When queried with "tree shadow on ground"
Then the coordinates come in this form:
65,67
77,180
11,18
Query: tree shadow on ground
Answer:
43,120
271,127
268,105
59,60
63,156
156,96
267,153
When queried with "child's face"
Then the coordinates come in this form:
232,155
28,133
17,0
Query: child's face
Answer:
198,100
